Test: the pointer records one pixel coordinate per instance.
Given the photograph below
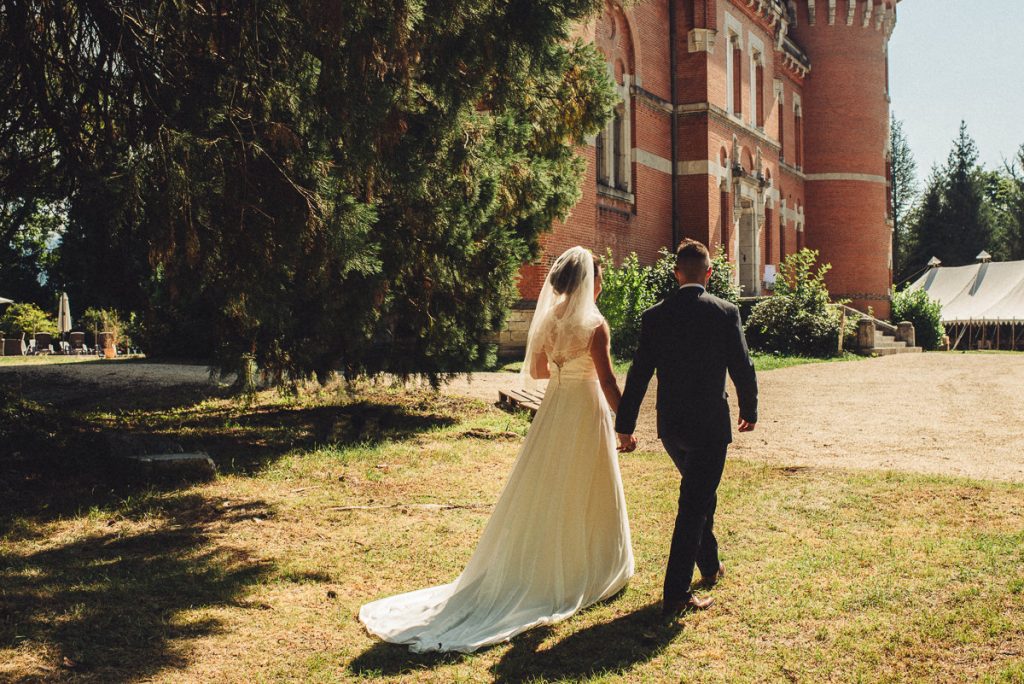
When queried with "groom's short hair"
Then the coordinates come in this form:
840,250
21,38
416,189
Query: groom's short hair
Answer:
693,260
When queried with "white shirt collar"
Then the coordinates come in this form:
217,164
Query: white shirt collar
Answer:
692,285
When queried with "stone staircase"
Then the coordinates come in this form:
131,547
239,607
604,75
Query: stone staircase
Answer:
878,338
886,344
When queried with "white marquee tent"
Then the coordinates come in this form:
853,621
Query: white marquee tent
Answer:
984,301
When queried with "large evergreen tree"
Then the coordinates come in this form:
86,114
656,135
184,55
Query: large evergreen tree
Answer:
954,222
1007,191
904,194
305,185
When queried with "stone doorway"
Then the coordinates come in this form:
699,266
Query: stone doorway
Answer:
746,255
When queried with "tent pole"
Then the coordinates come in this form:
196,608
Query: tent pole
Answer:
963,331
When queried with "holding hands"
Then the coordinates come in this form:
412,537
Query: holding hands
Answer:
627,443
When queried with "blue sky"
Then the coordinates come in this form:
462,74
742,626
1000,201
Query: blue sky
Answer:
959,59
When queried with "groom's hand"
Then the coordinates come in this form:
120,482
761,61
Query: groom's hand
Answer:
627,443
745,426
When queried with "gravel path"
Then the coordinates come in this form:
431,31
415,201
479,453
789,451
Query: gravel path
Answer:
940,413
950,414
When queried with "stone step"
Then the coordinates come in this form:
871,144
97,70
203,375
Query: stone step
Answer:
883,340
890,344
889,351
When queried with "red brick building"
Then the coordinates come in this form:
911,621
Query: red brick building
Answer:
760,125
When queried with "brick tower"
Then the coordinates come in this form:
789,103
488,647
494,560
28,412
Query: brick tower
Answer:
846,143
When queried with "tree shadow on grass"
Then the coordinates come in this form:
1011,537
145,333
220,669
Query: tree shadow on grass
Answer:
389,660
56,462
114,606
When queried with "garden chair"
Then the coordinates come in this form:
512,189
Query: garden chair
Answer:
44,343
14,346
76,340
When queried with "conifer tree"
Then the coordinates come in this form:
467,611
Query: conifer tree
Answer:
921,245
904,194
1008,200
955,221
305,186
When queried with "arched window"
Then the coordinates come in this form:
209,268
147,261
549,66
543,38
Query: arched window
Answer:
620,156
782,227
798,133
736,73
759,89
614,145
782,130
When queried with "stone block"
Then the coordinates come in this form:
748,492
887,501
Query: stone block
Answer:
905,333
865,334
195,467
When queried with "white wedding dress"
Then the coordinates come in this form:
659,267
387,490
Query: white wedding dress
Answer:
557,541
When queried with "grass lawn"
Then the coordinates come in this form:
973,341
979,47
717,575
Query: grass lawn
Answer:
257,576
45,360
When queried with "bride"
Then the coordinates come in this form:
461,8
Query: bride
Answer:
558,539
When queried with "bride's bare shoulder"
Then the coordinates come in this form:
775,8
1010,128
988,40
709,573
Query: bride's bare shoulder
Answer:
601,334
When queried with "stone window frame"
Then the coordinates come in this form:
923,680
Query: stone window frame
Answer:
799,226
615,169
798,133
734,42
614,143
779,93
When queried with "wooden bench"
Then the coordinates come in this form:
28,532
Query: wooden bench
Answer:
527,400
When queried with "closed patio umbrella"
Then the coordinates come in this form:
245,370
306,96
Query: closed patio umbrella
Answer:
64,315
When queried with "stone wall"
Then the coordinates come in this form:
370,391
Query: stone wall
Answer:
511,340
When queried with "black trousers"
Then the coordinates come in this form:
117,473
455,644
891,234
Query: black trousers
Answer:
693,541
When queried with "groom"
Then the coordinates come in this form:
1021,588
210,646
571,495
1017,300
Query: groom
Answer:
691,338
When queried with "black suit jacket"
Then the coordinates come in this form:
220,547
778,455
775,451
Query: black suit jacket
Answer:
691,338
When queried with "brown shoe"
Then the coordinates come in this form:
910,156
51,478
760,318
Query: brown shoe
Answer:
713,579
670,610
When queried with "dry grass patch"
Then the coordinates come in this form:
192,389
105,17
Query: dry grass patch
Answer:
327,502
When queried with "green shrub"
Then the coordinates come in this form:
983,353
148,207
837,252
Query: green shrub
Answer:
630,288
721,284
27,319
626,291
662,274
798,319
924,312
109,320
